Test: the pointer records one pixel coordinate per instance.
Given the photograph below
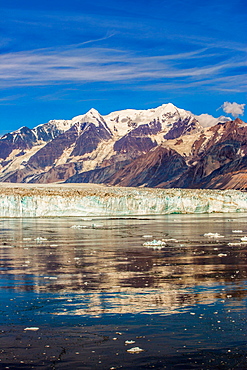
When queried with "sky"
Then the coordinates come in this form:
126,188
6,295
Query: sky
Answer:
58,59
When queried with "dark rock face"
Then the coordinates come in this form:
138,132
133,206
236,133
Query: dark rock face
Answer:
97,176
85,138
17,176
158,166
181,127
24,139
88,141
138,141
134,145
55,174
223,153
53,150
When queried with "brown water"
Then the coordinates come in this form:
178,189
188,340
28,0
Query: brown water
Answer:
91,286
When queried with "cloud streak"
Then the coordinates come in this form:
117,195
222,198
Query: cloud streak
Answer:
76,64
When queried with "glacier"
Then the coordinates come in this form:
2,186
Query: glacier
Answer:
28,200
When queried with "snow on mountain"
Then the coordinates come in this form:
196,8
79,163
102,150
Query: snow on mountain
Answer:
206,120
60,124
122,122
95,147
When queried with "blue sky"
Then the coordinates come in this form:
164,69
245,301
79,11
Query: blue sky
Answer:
58,59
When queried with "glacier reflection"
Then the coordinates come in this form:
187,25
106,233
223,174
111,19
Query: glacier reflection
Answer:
100,266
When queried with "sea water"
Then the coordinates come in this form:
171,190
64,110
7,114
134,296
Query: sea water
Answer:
163,292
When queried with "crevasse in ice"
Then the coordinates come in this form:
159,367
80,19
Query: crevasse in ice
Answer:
119,202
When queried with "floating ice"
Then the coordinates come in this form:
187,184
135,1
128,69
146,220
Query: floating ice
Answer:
135,350
237,231
244,239
213,235
154,244
34,328
129,342
78,226
40,239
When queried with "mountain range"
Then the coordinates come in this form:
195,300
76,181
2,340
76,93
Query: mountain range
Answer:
162,147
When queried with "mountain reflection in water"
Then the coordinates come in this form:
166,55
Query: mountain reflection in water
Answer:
82,270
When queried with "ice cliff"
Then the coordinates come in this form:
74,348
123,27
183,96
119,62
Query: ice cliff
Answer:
64,200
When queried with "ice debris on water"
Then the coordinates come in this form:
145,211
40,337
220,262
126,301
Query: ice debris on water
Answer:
40,239
213,235
95,226
222,254
135,350
147,236
32,328
129,342
237,231
155,244
244,239
78,226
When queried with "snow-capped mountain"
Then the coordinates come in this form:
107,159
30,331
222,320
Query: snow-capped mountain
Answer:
165,146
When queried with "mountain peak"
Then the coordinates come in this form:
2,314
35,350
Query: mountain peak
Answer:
93,112
169,107
239,121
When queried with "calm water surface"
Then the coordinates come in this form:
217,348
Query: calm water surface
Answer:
94,289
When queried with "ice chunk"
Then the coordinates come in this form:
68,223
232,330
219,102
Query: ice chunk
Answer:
154,244
213,235
135,350
33,328
40,239
237,231
78,226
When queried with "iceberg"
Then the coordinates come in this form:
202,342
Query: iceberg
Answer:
33,200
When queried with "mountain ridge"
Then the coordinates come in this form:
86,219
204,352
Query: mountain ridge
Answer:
159,147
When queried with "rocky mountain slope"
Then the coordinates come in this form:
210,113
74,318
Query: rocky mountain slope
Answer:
162,147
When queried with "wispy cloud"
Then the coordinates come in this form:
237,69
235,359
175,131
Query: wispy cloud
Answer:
77,64
10,99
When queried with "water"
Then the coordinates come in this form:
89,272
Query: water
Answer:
90,285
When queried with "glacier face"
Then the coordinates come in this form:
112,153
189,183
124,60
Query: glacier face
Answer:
107,201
